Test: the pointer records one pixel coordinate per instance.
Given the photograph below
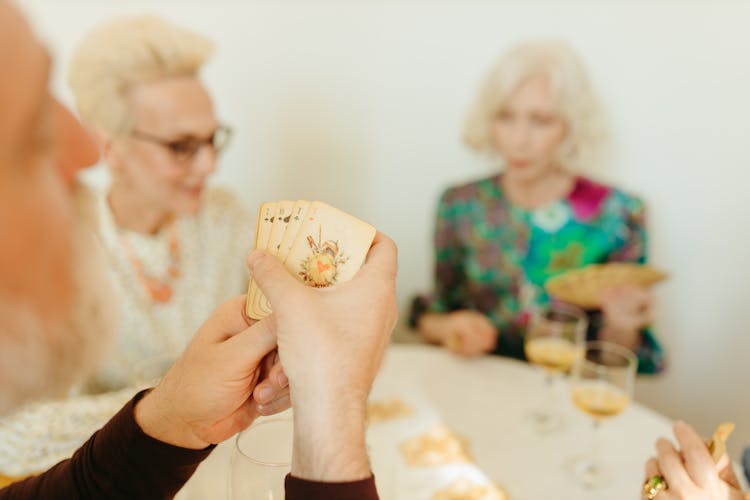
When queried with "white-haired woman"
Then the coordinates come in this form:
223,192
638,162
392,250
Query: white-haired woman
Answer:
500,238
176,246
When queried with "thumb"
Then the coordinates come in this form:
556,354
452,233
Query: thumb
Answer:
271,276
253,343
382,258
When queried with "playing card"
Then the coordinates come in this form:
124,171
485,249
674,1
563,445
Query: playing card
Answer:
298,218
280,224
278,228
584,287
718,444
330,247
266,216
251,303
292,223
265,224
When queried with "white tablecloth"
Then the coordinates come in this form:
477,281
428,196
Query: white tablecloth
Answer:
487,400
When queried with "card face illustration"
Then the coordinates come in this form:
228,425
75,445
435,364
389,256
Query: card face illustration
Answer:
266,217
330,247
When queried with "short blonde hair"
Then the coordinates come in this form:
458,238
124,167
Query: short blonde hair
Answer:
122,53
559,64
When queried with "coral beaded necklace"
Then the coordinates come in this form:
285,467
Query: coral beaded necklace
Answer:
158,289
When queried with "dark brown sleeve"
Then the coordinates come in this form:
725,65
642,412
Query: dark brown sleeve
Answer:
118,462
299,489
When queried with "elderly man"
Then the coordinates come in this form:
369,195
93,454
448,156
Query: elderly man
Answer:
330,345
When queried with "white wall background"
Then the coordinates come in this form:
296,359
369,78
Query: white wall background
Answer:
361,104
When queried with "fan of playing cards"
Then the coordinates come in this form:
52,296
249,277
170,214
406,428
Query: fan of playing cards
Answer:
584,287
319,245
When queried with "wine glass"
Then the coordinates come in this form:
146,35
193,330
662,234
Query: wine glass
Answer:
261,459
554,341
601,386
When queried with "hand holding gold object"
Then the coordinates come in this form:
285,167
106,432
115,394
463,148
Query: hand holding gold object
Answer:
653,486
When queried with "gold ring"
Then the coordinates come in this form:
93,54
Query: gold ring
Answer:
653,486
454,342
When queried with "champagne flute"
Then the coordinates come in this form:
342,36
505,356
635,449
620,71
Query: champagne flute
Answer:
601,386
261,459
554,341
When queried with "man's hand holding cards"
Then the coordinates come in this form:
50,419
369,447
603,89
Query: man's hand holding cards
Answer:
317,243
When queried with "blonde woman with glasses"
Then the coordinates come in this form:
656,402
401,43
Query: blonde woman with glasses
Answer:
176,246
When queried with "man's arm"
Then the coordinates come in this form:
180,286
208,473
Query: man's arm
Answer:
311,490
119,461
153,445
331,343
38,436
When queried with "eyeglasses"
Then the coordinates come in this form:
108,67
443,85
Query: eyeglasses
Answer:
185,149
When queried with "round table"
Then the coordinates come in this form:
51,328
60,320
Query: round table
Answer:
486,400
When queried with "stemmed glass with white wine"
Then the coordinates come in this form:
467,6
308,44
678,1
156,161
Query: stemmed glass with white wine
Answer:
601,386
554,341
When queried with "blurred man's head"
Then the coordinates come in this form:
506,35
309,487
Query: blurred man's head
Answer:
45,293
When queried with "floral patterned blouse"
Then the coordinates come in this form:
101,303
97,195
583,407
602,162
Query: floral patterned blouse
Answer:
494,257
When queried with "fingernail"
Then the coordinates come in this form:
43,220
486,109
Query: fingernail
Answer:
283,380
265,394
253,258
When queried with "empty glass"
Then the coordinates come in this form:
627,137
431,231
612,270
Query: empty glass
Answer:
261,459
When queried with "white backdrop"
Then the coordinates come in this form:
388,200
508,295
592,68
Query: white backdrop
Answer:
361,104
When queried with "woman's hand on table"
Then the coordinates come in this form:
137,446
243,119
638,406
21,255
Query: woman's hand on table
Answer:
207,395
691,473
467,333
626,311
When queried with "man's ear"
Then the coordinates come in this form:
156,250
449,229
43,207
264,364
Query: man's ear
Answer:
76,149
